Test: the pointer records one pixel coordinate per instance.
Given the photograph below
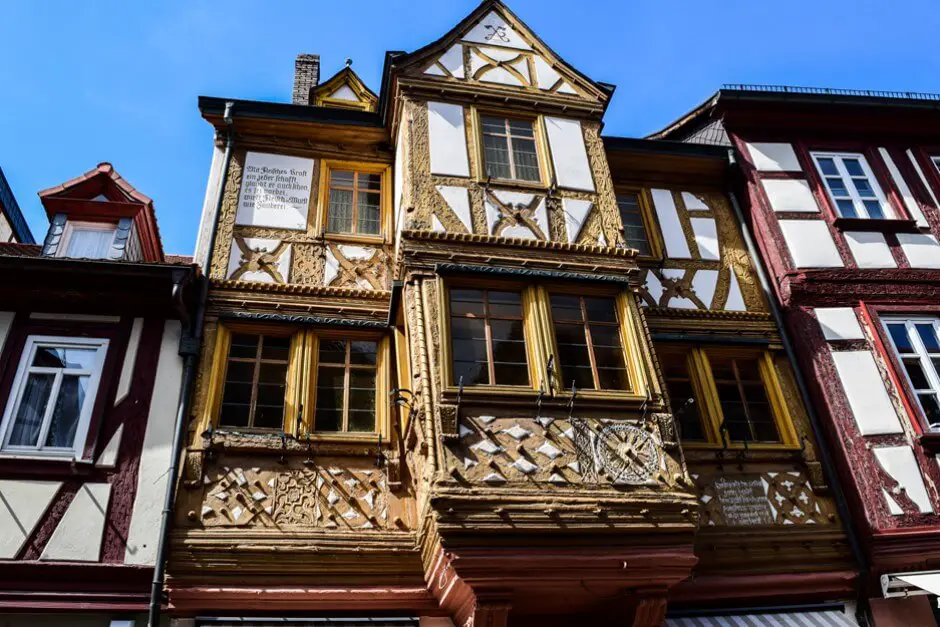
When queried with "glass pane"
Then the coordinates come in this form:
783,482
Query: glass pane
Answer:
237,393
269,416
505,304
864,188
363,353
68,410
600,309
837,187
340,211
234,415
272,375
496,156
928,336
521,128
240,371
853,167
566,307
580,375
466,302
899,337
875,212
274,347
468,329
243,345
62,357
928,403
525,159
469,350
846,209
340,178
613,378
362,401
90,244
32,407
369,211
493,125
748,370
827,166
332,351
329,410
511,374
916,374
370,182
471,373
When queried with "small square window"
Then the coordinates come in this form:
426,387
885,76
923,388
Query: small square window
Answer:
53,396
509,149
354,203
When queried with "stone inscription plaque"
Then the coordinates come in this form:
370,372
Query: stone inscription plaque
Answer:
275,191
743,501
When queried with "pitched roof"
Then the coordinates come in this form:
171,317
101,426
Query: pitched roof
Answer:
12,211
323,94
102,168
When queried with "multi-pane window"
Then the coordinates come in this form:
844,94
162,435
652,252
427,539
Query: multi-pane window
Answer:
852,185
631,217
87,240
590,350
53,395
355,203
721,396
487,338
509,149
255,381
917,343
681,392
346,386
746,409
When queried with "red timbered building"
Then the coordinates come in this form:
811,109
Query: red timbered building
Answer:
90,376
841,194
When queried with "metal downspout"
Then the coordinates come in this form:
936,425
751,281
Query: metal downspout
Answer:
814,421
189,375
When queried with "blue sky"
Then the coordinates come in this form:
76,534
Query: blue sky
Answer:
84,82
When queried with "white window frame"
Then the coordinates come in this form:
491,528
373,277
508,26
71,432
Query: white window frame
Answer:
935,159
33,343
921,351
71,226
857,201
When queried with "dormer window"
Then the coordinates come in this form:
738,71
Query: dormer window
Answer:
87,240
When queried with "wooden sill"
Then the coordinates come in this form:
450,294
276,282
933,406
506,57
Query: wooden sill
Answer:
881,226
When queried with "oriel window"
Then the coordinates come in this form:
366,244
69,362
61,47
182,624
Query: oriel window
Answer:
355,203
509,149
255,382
346,386
487,337
590,349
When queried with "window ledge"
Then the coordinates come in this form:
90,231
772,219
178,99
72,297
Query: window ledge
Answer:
40,457
273,443
376,240
882,226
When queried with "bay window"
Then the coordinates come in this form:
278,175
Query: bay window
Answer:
53,395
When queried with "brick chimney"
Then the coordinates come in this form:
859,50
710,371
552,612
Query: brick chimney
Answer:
306,76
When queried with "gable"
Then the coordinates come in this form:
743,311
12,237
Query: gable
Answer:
344,90
492,47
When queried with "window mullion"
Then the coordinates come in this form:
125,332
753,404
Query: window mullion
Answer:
590,345
488,334
346,383
255,376
354,227
849,184
743,395
50,408
509,149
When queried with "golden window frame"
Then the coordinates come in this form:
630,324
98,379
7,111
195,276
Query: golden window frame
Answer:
385,200
654,236
543,153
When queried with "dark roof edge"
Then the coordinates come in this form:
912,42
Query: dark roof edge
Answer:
212,106
664,147
12,210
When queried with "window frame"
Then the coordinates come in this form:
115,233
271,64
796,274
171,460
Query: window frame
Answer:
76,451
256,361
930,372
385,200
84,225
541,343
542,153
300,388
650,225
887,208
709,403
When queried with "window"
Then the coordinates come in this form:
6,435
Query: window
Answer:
509,150
487,338
936,161
346,386
633,224
852,186
590,351
255,382
87,240
274,379
917,343
355,202
721,395
53,395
